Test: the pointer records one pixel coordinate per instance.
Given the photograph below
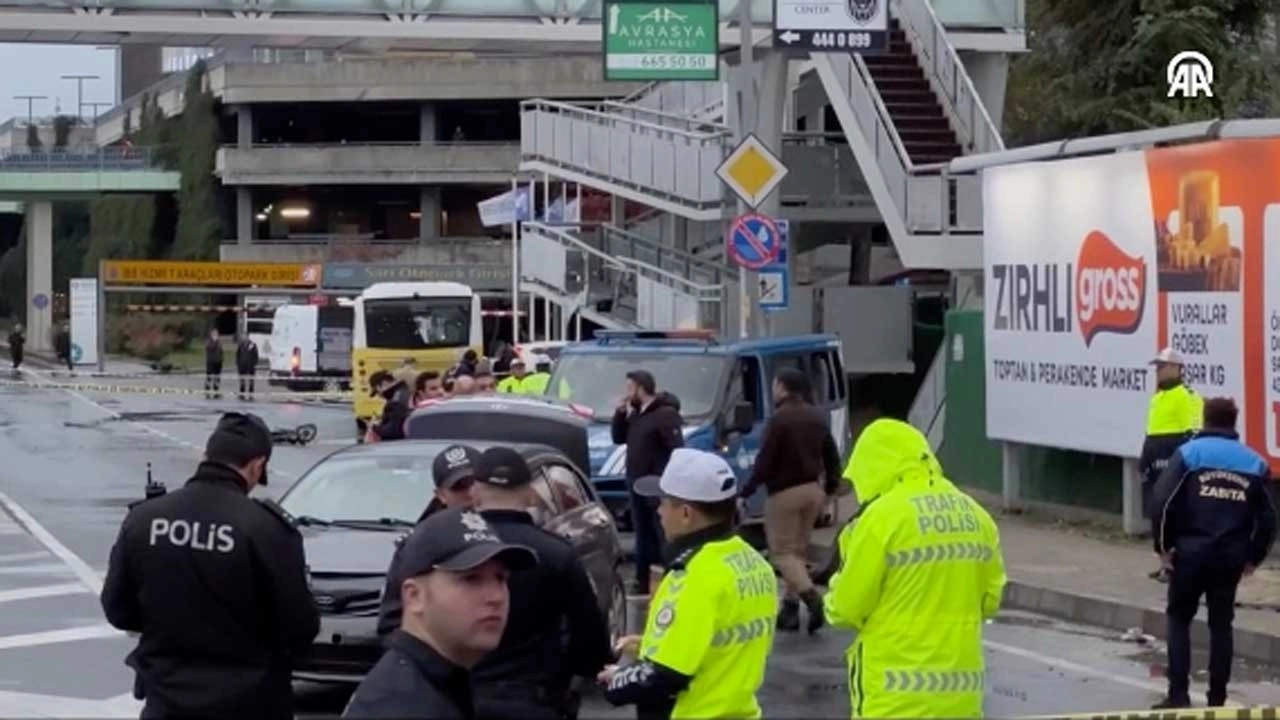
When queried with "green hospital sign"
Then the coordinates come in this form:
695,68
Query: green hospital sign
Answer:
661,41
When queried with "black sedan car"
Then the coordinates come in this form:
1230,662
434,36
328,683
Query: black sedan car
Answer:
353,505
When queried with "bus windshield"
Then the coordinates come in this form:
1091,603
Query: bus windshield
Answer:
417,323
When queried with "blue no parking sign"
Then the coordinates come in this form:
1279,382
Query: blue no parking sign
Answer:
753,241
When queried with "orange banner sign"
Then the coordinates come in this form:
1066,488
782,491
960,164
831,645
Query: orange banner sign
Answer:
221,274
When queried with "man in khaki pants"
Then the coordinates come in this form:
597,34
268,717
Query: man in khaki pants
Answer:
799,466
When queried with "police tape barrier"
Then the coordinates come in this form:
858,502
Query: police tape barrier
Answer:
1241,713
226,390
43,375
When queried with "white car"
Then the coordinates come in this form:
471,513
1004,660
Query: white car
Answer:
533,351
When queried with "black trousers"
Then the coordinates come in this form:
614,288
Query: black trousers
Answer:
213,380
246,383
648,538
1216,579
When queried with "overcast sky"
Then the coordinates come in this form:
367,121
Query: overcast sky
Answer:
37,70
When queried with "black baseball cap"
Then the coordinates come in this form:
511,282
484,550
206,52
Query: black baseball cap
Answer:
503,467
458,540
239,438
456,463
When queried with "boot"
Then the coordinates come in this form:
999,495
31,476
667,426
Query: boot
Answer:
1172,703
1216,700
817,615
789,615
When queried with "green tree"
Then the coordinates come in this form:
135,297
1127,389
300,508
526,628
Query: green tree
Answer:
199,231
1097,68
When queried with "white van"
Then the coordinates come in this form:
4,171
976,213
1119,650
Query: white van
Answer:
311,347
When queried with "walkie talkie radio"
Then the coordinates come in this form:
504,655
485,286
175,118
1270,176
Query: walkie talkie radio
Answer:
153,489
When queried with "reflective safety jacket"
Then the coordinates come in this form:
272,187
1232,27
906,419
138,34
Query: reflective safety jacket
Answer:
1173,416
920,571
708,634
510,384
534,383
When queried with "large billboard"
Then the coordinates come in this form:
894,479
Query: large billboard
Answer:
1092,265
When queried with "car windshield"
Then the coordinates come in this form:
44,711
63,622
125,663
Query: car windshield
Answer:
372,487
417,323
596,380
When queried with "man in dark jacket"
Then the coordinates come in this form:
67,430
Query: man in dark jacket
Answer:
216,586
799,466
398,396
454,473
213,365
1214,525
17,343
62,346
455,602
649,423
246,365
555,630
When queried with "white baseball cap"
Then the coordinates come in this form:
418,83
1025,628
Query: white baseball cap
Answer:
1167,356
692,475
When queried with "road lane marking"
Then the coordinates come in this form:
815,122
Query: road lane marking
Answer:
161,433
52,637
33,705
1065,664
81,569
49,568
42,591
21,557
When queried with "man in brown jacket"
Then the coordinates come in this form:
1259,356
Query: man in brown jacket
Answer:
799,465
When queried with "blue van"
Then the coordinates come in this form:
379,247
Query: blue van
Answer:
724,388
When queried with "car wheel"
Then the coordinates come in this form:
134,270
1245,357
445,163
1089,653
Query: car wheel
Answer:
617,609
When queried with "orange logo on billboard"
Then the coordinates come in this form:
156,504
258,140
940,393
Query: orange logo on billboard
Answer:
1111,288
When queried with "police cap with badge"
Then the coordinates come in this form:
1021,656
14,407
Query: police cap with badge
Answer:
458,540
238,439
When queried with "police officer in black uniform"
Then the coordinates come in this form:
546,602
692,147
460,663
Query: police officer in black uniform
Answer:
215,585
1214,525
555,631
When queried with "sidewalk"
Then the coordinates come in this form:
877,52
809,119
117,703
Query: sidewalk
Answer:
1064,572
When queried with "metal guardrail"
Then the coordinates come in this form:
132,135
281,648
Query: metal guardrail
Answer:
689,99
621,243
406,144
113,159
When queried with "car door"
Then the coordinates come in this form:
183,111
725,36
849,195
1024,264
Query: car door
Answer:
746,385
582,520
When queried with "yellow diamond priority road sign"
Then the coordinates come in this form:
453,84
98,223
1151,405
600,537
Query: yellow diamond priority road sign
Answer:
751,171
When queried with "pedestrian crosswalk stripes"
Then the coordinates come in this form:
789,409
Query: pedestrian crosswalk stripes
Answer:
940,553
933,680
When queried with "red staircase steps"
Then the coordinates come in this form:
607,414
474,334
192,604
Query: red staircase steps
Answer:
911,103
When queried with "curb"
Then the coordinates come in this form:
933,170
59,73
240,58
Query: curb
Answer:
1117,615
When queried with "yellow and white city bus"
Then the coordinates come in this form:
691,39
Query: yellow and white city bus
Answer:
427,324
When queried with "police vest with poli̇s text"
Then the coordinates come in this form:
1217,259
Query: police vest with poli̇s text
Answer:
921,571
712,618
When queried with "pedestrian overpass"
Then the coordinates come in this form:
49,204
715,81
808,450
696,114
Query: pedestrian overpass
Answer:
903,116
34,181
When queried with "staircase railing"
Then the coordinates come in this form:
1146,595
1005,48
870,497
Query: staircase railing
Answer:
674,164
687,98
928,412
621,243
948,76
622,274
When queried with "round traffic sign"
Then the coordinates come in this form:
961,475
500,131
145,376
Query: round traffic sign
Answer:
753,241
41,301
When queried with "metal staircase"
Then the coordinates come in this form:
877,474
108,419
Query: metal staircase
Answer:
888,107
668,161
615,290
704,101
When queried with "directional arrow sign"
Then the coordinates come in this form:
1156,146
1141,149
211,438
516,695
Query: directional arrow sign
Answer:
843,26
788,37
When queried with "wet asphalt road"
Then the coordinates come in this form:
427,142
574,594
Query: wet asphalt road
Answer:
71,462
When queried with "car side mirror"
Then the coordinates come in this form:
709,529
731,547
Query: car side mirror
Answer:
743,418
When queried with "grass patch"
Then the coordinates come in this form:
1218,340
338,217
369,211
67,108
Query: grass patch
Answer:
190,359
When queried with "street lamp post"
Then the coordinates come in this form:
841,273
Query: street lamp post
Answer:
30,105
80,92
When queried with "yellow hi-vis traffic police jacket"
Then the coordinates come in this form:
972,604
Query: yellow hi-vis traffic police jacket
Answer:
921,570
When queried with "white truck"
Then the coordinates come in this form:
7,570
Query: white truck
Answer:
311,347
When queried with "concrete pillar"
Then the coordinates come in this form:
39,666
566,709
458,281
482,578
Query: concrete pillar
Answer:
244,126
427,123
1013,465
617,211
429,212
244,216
990,74
39,296
1131,498
680,233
